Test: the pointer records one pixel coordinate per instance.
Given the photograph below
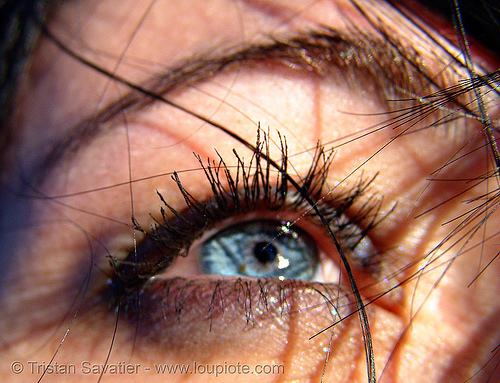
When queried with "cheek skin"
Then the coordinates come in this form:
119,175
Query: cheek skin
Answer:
269,338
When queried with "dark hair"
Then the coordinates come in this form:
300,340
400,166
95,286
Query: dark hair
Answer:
481,19
20,26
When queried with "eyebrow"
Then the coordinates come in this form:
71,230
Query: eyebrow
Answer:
320,52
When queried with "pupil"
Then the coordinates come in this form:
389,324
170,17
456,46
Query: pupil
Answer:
265,252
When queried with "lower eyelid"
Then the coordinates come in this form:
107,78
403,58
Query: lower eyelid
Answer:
180,312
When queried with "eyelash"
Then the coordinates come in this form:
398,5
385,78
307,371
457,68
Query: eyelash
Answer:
249,191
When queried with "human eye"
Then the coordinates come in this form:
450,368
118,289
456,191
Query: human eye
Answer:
310,187
269,233
259,211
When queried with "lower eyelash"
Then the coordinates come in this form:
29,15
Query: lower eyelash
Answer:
249,189
207,304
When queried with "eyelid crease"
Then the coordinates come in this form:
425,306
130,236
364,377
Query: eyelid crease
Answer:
317,52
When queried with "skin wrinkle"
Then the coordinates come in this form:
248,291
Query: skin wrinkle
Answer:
86,332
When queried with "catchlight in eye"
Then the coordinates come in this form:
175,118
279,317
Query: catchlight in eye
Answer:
262,248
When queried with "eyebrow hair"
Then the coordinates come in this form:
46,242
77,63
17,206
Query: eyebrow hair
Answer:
318,52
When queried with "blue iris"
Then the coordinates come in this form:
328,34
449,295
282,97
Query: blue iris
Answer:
260,249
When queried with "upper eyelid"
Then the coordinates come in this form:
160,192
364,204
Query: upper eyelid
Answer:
157,252
315,51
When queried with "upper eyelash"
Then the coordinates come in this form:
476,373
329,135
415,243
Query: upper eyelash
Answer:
172,237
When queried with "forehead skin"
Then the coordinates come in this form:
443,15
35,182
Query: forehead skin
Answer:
135,39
